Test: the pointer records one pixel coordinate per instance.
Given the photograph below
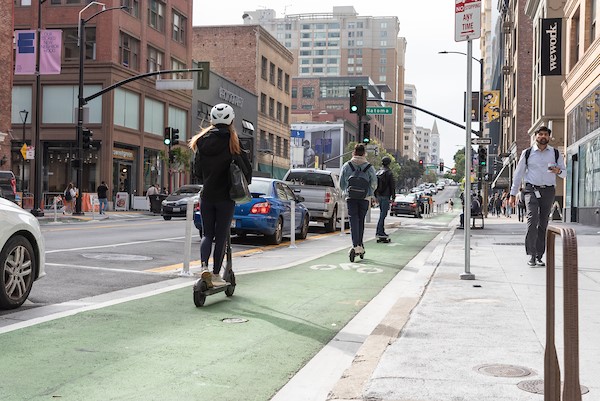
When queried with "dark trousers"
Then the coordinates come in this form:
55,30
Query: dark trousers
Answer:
216,224
384,206
538,214
357,211
521,211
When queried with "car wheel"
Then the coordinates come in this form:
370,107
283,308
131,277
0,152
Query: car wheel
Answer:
167,217
17,269
304,228
330,224
277,236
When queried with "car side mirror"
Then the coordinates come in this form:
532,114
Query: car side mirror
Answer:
299,198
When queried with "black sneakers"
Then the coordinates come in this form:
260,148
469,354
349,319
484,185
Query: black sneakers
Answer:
535,261
531,261
539,261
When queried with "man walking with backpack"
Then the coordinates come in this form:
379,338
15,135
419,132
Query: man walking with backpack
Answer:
385,191
358,182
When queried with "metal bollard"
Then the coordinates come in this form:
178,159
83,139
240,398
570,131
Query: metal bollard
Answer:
293,224
187,245
571,387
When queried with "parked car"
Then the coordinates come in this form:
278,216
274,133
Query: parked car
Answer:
269,212
406,204
22,256
175,205
8,186
198,218
321,192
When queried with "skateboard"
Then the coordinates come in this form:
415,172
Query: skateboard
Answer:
385,240
201,290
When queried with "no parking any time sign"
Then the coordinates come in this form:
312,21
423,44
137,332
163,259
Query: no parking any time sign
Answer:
467,20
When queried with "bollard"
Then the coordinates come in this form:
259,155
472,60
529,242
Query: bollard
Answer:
187,245
342,220
54,202
571,387
293,224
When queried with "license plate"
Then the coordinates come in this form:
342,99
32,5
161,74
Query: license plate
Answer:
176,209
233,223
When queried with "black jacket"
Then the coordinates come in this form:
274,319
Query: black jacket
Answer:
211,164
385,183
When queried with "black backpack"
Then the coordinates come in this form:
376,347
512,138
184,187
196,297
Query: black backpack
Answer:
68,196
358,183
528,152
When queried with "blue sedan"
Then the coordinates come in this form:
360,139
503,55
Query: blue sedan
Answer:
269,212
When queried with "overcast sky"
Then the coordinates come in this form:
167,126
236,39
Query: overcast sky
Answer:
427,25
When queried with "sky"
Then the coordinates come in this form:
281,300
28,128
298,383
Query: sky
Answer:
427,25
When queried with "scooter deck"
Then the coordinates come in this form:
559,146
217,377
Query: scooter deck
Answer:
213,290
384,239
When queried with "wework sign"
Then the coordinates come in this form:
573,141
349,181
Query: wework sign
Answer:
551,51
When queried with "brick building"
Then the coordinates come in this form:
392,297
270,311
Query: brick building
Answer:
6,64
127,122
255,61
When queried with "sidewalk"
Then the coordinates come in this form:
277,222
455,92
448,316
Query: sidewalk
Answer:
451,339
50,217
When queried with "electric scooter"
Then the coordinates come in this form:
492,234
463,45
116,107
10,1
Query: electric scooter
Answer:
201,290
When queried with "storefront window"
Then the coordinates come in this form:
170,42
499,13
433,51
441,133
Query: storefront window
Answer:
152,169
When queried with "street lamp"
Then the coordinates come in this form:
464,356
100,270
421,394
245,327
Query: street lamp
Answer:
23,114
81,101
269,152
480,61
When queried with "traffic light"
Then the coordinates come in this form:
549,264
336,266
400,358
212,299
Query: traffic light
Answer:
453,171
366,133
482,156
441,167
167,140
174,136
171,156
421,162
358,100
87,138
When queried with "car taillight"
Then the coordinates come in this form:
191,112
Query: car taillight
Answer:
196,206
13,184
327,197
261,208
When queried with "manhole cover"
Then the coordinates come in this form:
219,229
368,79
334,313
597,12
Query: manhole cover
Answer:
510,243
537,387
234,320
116,256
499,370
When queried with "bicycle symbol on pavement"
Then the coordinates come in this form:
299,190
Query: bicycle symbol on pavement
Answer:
360,268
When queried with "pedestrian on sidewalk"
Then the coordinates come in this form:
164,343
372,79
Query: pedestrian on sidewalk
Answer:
538,167
385,192
102,191
215,148
358,181
69,199
521,204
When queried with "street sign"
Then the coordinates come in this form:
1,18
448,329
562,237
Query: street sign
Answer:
481,141
24,151
467,22
30,154
379,110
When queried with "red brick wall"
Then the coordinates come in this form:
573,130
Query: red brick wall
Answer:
523,77
6,65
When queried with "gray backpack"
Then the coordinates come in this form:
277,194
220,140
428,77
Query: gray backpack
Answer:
358,183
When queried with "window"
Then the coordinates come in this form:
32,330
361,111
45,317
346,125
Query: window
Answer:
279,111
271,144
263,140
383,25
71,49
154,112
156,15
383,43
286,115
263,68
126,109
272,73
177,65
133,7
271,107
155,60
294,92
263,103
58,102
286,148
308,92
179,25
287,83
278,146
129,51
280,78
592,6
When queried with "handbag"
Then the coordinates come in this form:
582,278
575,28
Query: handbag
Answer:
239,191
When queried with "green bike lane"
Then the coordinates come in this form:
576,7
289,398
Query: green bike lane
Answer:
164,348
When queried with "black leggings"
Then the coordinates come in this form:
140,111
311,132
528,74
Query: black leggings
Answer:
216,222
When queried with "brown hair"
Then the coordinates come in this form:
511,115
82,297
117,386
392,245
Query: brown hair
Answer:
234,140
359,149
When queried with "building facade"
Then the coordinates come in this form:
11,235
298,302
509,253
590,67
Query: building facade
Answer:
342,43
6,64
128,122
258,63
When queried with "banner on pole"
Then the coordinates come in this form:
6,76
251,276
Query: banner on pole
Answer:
491,106
25,54
551,51
50,55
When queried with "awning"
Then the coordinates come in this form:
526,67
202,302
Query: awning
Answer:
502,179
248,125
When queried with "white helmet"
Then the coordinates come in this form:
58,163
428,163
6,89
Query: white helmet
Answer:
222,114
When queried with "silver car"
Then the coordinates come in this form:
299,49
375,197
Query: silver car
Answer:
23,254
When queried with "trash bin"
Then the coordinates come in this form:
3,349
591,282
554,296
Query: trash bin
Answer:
155,202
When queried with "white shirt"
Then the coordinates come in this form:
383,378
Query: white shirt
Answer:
536,170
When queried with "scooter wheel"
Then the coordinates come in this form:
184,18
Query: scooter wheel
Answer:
352,255
362,255
230,290
199,293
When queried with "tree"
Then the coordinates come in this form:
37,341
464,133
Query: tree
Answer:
459,165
